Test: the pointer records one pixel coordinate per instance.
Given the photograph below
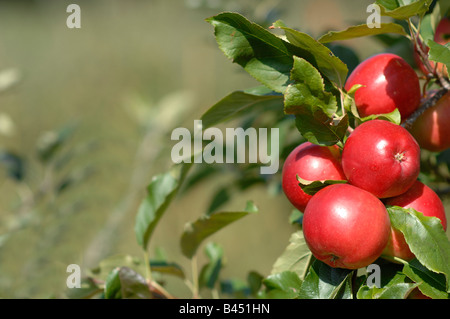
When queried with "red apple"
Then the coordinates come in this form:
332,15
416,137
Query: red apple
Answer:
432,128
345,226
311,162
389,82
442,33
382,158
424,200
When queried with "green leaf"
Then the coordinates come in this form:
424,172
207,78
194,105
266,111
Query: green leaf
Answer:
107,265
133,285
236,288
168,268
391,8
89,288
439,53
425,237
267,57
427,27
113,288
49,143
221,196
205,226
393,283
308,90
284,285
361,31
430,283
324,282
395,291
350,106
239,103
393,117
14,164
312,187
160,192
327,63
210,272
295,258
319,129
388,4
313,106
263,55
349,101
125,283
254,280
296,217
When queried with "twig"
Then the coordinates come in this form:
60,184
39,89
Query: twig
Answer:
158,289
422,108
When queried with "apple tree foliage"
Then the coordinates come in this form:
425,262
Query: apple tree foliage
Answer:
302,93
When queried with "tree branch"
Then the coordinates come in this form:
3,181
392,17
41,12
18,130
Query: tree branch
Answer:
408,123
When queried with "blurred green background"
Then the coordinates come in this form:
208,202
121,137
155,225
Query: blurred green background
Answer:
108,96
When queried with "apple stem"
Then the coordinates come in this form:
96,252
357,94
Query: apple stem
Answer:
408,123
400,156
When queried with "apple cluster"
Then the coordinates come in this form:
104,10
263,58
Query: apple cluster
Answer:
346,223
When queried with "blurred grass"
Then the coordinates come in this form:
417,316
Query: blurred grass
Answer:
128,54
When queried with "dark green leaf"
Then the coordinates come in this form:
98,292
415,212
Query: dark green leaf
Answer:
207,225
361,31
425,237
323,281
159,195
